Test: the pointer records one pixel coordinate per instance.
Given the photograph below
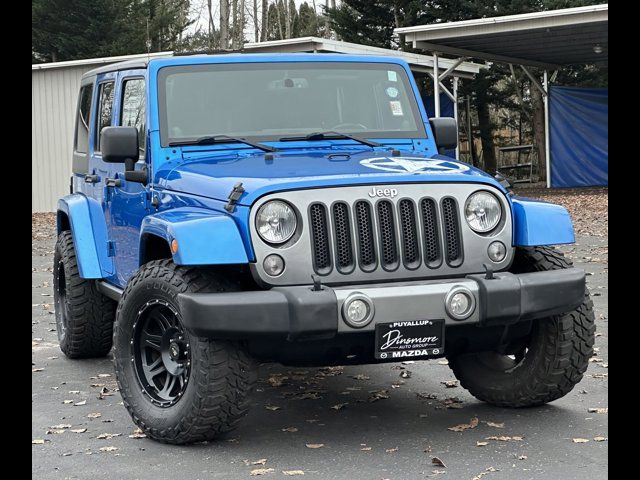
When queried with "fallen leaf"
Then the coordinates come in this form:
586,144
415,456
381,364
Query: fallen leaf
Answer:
62,425
107,436
486,472
427,396
522,457
37,369
360,376
391,450
79,404
600,439
137,433
496,425
473,423
450,383
67,402
94,415
481,444
405,374
378,395
79,430
277,380
437,462
38,441
315,445
580,440
504,438
273,408
108,449
261,471
291,473
598,410
104,375
54,432
365,449
340,406
290,429
262,462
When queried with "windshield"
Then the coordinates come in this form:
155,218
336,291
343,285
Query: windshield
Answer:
268,101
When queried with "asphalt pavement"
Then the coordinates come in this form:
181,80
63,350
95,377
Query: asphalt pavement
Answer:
366,422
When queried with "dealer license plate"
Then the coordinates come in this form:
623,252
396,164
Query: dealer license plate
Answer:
417,338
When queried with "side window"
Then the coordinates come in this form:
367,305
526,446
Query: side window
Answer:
105,107
82,119
134,108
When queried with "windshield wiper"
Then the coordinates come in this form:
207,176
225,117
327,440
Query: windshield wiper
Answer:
213,139
330,135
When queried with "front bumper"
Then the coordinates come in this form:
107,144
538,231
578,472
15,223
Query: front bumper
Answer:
303,313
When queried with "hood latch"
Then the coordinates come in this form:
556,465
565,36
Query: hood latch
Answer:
234,196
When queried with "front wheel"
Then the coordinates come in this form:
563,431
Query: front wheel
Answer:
545,365
177,387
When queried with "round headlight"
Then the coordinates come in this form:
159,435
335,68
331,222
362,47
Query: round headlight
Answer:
483,212
276,222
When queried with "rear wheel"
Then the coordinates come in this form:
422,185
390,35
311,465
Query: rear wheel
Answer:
177,387
84,316
541,367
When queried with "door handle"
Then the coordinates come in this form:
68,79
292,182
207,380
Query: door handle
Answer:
113,182
91,179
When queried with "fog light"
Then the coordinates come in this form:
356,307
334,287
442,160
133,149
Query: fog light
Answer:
357,310
497,251
460,303
273,265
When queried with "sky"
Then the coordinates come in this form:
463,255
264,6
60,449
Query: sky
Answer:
199,11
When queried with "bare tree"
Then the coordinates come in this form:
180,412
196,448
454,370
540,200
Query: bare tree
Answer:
224,24
256,26
264,27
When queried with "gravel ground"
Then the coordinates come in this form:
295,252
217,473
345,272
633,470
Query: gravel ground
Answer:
87,433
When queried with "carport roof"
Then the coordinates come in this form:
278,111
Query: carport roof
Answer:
544,39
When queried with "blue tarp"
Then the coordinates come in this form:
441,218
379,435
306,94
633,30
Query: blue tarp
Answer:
446,105
579,136
446,110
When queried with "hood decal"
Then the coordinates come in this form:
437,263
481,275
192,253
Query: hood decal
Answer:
414,165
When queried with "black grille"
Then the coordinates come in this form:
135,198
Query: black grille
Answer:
410,248
344,245
430,233
388,243
320,238
366,242
451,232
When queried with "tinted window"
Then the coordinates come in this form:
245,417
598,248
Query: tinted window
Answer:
273,100
83,118
105,108
133,108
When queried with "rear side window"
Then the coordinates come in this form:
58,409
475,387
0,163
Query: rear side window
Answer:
82,120
105,108
134,108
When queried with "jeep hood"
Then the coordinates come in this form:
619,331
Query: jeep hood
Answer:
214,175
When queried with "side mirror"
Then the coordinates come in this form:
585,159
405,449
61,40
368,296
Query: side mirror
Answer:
445,131
119,144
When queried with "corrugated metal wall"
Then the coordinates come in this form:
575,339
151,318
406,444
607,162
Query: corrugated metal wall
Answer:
54,93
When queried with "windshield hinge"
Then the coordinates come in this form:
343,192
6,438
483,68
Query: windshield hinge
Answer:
234,196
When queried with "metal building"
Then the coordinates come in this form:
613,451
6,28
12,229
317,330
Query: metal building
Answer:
54,91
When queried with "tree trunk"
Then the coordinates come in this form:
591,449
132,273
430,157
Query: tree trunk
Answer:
287,19
224,24
538,131
279,17
486,135
264,27
256,26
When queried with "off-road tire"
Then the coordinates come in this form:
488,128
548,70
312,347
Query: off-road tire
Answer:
222,373
84,316
558,352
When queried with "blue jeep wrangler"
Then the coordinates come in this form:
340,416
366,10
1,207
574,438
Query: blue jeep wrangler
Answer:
298,209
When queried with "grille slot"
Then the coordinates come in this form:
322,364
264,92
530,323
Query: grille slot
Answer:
366,241
320,238
387,232
408,225
452,232
344,245
432,256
